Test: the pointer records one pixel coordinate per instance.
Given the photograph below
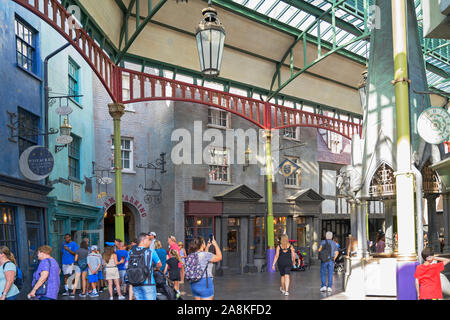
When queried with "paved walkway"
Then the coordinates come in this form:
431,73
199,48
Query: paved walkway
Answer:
305,285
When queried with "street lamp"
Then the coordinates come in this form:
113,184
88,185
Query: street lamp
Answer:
210,35
64,139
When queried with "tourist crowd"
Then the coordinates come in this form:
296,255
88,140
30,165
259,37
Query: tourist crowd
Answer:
132,271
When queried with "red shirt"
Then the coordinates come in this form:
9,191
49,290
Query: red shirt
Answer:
429,280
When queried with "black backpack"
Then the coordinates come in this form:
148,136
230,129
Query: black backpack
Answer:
325,253
139,270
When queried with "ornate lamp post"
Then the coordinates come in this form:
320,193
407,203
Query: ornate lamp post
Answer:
210,35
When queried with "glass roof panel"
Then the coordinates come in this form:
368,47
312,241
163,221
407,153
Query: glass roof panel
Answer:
352,12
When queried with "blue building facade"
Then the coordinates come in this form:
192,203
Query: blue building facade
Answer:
23,203
72,206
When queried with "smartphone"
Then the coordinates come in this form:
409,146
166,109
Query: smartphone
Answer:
211,236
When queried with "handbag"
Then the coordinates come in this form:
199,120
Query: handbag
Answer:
42,290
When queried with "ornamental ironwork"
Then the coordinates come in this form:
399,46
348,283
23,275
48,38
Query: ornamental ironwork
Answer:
430,180
153,189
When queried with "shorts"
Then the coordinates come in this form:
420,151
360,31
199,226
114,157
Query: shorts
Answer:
93,278
122,275
285,269
199,289
68,269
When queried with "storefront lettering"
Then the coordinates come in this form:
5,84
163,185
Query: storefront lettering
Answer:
129,199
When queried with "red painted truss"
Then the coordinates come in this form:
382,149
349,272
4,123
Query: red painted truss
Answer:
146,87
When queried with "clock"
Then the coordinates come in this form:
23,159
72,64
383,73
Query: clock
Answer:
434,125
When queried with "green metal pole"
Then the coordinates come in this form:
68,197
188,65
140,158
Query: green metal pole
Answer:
404,175
116,110
270,235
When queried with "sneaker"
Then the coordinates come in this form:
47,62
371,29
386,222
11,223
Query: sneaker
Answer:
111,298
66,293
282,291
100,290
329,289
178,295
82,295
286,293
71,295
122,298
93,294
323,289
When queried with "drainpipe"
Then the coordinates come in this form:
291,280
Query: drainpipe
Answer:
419,208
46,88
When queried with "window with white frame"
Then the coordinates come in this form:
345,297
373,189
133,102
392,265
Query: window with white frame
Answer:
291,133
126,148
334,142
218,117
295,178
219,165
25,46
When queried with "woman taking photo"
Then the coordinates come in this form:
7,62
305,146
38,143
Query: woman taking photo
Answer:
112,272
8,270
46,278
204,289
285,256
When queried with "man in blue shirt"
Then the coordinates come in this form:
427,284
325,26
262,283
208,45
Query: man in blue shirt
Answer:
147,290
122,254
328,266
68,249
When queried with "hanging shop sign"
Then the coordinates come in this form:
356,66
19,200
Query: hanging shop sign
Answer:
109,202
434,125
36,163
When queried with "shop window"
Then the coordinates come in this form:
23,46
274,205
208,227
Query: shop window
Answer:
259,232
8,235
279,228
232,236
198,227
57,238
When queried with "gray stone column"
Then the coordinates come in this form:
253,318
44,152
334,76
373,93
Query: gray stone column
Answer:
433,224
250,267
294,229
224,232
365,246
359,230
353,219
260,245
289,226
389,222
446,219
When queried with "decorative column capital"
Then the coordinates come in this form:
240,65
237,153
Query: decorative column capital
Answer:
116,110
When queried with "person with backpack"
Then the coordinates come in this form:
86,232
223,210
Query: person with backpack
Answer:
141,262
46,279
199,265
328,252
285,256
8,271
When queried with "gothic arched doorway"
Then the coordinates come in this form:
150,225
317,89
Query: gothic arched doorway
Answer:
129,223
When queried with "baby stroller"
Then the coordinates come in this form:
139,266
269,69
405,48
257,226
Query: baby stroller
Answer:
301,262
164,287
339,262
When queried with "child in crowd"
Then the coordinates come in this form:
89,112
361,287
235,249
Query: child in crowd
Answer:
94,261
428,281
172,265
122,254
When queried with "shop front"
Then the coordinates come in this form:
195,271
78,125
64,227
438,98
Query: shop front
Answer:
238,221
22,222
